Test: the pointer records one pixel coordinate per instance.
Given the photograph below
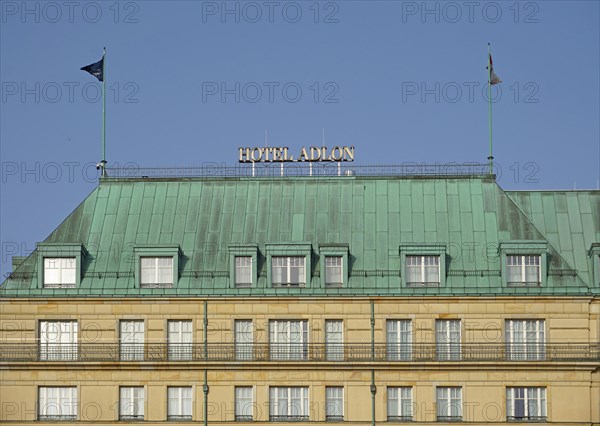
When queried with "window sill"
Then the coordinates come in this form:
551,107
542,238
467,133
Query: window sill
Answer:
57,418
288,418
523,284
179,418
530,419
157,285
131,418
289,285
60,286
423,284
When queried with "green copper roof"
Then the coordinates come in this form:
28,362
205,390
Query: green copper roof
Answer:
374,216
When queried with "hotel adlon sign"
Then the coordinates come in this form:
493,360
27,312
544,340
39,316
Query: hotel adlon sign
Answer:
283,154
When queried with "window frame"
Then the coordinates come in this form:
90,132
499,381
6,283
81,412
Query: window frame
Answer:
239,417
289,250
524,248
399,350
243,250
156,251
132,351
43,404
334,251
288,350
244,350
288,269
423,250
155,270
541,398
180,399
521,268
446,415
58,351
180,350
334,350
60,251
399,415
447,350
289,417
334,401
529,351
133,404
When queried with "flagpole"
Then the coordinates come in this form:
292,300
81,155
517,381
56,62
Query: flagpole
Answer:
491,156
103,162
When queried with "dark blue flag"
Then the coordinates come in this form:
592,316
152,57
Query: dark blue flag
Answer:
96,69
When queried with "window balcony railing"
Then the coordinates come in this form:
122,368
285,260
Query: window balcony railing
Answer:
296,352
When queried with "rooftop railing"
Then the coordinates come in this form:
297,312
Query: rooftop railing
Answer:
295,169
264,352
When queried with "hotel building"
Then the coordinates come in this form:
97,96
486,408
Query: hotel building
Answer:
372,297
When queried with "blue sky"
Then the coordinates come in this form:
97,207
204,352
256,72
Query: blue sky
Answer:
188,82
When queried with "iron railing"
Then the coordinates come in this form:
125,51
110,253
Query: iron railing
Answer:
297,352
274,170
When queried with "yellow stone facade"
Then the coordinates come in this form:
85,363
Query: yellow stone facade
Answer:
572,386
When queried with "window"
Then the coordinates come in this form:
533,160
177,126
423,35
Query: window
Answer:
288,271
399,404
131,403
334,276
57,403
132,340
60,272
243,271
449,404
180,340
58,340
399,340
334,340
244,340
288,404
179,405
156,272
334,403
423,271
526,404
523,270
288,340
525,339
447,339
243,404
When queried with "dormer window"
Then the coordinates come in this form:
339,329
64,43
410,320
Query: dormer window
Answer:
60,265
157,266
60,272
523,270
423,271
156,272
289,264
523,263
288,271
423,265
